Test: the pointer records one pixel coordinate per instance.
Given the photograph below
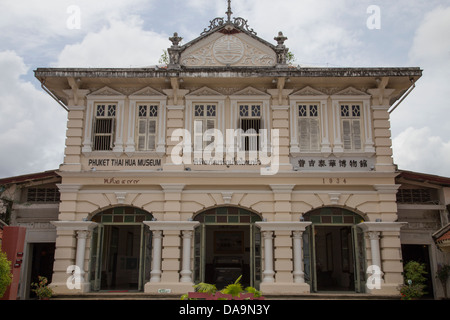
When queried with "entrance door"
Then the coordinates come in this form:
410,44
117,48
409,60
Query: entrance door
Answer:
419,253
334,255
120,250
121,257
334,259
227,246
41,262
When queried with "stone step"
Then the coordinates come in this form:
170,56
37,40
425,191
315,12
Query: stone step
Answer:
146,296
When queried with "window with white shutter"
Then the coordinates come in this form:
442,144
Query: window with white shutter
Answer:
104,126
351,127
147,127
309,127
204,119
250,123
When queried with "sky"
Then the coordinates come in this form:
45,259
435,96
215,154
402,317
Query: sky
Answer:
134,33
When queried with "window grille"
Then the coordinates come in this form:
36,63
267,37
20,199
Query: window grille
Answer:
204,120
414,196
43,195
104,125
250,123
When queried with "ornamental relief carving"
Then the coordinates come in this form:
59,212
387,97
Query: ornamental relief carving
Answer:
228,50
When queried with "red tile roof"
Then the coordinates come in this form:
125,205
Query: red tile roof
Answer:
445,236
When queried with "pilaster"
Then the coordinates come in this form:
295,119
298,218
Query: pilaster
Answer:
385,251
174,277
283,271
70,250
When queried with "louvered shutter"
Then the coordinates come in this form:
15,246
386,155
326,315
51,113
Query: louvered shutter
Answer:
356,134
142,132
303,124
151,134
347,134
314,134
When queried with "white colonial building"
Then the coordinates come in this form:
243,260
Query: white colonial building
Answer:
226,162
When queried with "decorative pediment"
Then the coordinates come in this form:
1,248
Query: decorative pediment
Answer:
250,91
308,91
204,91
106,91
236,49
351,91
147,91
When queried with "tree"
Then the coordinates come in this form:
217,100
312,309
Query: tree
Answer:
164,59
414,280
5,273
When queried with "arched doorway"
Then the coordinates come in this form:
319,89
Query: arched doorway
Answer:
120,250
334,254
227,245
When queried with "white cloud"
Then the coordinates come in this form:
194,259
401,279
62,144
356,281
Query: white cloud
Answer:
121,44
421,126
32,125
419,150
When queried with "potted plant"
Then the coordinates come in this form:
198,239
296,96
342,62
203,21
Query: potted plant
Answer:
414,281
234,290
443,273
43,291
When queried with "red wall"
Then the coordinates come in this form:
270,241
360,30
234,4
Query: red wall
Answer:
12,244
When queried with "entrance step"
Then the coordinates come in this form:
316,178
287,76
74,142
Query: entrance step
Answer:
145,296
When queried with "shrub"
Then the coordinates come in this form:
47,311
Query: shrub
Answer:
414,281
5,273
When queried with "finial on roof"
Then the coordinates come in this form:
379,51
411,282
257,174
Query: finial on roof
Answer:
229,12
175,40
238,22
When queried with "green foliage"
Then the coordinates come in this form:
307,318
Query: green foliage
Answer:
205,288
415,272
234,289
5,273
443,273
164,59
256,293
290,58
42,290
414,281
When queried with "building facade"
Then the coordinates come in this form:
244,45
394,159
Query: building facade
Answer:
226,162
32,201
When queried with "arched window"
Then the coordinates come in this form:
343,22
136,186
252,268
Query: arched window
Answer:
227,215
122,215
333,215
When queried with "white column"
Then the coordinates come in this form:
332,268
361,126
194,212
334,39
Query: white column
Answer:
81,230
268,257
374,237
155,274
81,250
186,273
299,276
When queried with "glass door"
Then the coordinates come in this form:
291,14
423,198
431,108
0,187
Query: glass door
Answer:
307,257
199,254
359,250
255,256
96,257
